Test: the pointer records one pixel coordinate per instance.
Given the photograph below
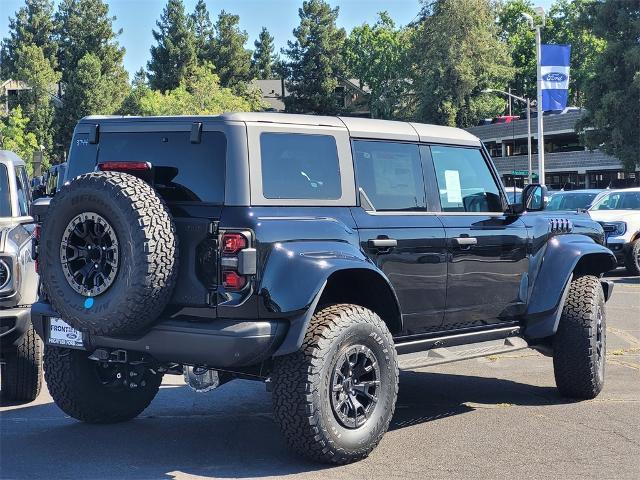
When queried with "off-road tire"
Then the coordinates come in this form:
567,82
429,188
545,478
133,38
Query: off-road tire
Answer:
578,367
148,254
22,371
76,388
632,258
301,383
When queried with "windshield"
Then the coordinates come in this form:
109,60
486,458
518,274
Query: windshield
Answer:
570,201
5,195
618,201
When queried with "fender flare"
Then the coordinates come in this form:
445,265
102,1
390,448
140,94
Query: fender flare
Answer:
563,257
311,264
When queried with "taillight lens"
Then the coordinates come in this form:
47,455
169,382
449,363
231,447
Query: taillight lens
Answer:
124,166
231,280
232,243
35,246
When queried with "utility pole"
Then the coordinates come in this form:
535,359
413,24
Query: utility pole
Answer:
541,180
529,140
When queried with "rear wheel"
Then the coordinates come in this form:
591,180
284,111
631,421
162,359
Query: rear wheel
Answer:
22,371
632,258
96,392
580,344
335,397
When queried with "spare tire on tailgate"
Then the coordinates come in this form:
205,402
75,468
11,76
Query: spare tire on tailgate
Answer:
108,254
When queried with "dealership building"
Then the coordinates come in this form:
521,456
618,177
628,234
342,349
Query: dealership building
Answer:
568,164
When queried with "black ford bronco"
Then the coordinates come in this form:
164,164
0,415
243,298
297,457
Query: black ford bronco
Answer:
317,254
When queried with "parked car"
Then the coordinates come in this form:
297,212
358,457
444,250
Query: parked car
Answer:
514,195
572,200
505,119
619,213
20,347
316,254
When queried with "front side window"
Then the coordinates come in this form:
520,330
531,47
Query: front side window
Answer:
465,182
390,174
618,201
299,166
5,194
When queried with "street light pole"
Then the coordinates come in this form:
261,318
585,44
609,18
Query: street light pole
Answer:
541,179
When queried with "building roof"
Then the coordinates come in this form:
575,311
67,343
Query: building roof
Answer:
558,123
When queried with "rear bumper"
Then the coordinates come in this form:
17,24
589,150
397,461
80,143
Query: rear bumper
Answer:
221,343
14,322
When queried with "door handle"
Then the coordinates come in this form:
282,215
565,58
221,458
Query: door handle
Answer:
466,241
383,242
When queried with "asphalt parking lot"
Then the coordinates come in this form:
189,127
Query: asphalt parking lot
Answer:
496,417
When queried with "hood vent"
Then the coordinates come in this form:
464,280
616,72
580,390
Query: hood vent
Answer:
560,225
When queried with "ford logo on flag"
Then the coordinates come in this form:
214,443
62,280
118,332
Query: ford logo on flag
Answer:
554,77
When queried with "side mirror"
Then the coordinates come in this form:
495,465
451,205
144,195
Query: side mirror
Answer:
533,197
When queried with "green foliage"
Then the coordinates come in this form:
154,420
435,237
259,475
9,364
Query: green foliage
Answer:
612,120
36,71
457,54
315,60
199,94
32,25
232,61
264,58
203,31
15,136
139,89
90,59
174,56
379,56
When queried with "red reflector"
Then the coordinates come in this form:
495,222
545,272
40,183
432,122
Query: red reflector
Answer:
232,281
36,232
123,166
233,242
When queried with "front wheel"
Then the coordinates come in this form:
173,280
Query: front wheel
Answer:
95,392
334,398
580,344
22,372
632,258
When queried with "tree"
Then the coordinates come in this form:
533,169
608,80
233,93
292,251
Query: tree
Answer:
36,71
14,136
264,58
315,60
203,32
612,97
379,57
231,59
90,58
174,56
457,54
139,89
32,25
200,94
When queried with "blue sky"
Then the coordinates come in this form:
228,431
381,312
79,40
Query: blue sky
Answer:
137,18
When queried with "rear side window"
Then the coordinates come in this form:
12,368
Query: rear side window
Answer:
22,191
5,194
390,174
465,182
299,166
183,171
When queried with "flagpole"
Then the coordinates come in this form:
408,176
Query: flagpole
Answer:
541,179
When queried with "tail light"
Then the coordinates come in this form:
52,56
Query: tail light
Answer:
237,260
35,245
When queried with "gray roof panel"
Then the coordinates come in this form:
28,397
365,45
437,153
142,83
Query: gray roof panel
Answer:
440,134
386,129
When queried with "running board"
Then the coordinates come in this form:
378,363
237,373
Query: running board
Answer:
440,355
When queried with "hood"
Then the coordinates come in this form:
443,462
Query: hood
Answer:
615,215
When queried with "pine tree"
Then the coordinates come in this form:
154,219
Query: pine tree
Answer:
203,32
90,59
612,118
264,58
139,89
174,56
232,61
316,61
457,54
32,25
36,71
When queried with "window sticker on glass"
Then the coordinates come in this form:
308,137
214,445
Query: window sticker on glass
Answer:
452,184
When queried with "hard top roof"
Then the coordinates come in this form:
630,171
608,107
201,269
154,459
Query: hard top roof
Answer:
357,127
8,157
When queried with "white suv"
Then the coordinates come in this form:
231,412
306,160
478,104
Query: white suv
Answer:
619,213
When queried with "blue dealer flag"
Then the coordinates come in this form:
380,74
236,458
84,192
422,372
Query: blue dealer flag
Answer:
554,66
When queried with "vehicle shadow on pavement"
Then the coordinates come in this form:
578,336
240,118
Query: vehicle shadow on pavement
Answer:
227,433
